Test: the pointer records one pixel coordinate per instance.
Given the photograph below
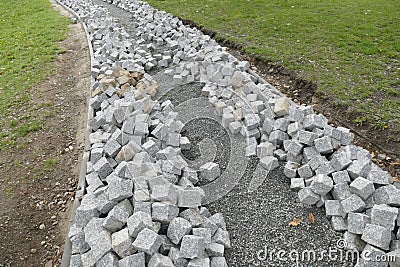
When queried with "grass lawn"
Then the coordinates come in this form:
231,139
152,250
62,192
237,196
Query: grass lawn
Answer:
29,33
350,48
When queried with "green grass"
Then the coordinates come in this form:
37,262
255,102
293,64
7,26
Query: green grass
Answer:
30,30
350,48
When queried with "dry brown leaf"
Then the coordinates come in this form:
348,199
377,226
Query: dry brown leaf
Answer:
397,179
311,217
295,222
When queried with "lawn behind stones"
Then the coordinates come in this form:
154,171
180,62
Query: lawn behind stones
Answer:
350,48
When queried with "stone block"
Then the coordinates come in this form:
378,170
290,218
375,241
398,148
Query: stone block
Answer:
192,247
218,262
98,239
210,171
281,107
341,191
377,236
333,208
387,194
118,216
163,212
265,149
277,137
321,184
269,163
297,184
135,260
353,203
103,168
340,161
190,197
353,241
290,169
384,215
165,193
159,260
215,250
362,187
338,223
379,177
323,145
305,171
109,260
221,236
308,197
203,262
306,137
359,168
147,241
177,229
193,216
119,189
356,222
122,243
341,177
235,127
137,222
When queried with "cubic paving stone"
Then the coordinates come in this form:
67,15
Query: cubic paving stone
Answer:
308,197
109,260
371,257
98,239
387,194
384,215
147,241
192,246
341,191
219,220
379,177
341,177
135,260
177,258
362,187
137,222
305,171
356,222
210,171
340,161
265,149
177,229
306,137
321,184
194,216
338,223
204,262
323,145
269,163
215,250
297,184
376,235
277,137
353,203
119,189
122,243
164,212
203,232
190,197
103,168
353,242
333,208
165,193
118,216
221,236
218,262
159,260
235,127
290,169
281,107
395,256
359,168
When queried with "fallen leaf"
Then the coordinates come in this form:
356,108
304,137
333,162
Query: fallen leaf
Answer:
397,179
311,217
295,222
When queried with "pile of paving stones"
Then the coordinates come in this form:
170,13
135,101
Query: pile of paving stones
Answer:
142,206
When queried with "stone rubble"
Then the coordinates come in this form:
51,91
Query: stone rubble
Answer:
142,206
